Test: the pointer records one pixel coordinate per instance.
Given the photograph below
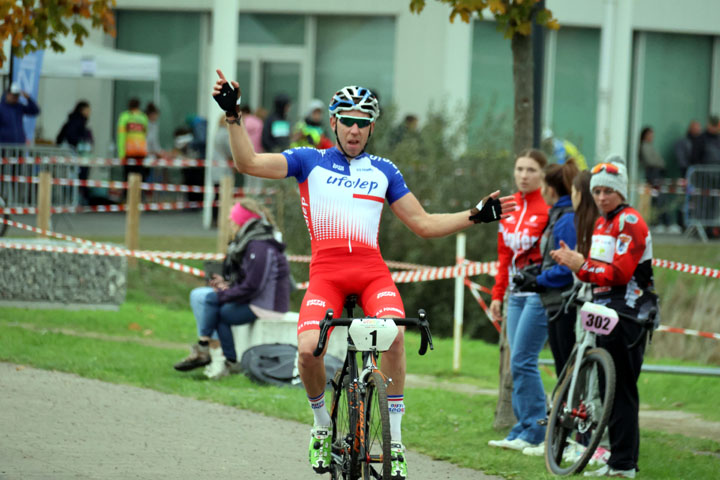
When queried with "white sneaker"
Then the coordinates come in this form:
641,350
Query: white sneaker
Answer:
216,371
517,444
675,229
611,472
537,451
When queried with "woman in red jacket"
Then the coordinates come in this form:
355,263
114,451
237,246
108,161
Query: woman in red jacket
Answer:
518,248
619,268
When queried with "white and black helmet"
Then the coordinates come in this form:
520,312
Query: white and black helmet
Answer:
355,98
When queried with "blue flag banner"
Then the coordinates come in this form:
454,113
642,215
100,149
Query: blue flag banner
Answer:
26,72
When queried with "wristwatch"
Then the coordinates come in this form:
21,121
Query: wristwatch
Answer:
235,120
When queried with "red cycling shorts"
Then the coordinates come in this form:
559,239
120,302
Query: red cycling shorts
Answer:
336,273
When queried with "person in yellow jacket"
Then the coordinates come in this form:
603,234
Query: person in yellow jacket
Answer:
562,149
132,137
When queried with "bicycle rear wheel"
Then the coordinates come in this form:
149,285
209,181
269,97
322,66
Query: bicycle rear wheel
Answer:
376,462
574,431
343,412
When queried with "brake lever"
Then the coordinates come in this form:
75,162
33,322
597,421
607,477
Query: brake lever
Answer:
324,327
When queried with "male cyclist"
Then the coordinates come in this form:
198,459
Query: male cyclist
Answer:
342,192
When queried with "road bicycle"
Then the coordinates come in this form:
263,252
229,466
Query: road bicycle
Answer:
583,398
359,406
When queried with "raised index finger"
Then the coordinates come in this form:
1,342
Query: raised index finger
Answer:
220,74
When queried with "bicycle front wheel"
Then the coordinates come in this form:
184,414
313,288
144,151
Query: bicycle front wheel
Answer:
574,430
343,414
376,462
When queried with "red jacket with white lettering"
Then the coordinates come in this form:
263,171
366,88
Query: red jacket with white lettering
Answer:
519,238
620,263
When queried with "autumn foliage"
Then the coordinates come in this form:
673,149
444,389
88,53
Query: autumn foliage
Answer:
514,17
32,25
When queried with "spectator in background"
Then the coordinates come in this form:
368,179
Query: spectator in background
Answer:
153,130
561,150
77,135
654,166
254,127
276,129
12,112
519,249
683,148
221,156
255,283
309,131
132,130
407,129
707,148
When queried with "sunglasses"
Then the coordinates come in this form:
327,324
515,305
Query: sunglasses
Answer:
349,121
608,167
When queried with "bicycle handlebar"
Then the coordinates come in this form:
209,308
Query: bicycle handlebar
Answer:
421,322
646,318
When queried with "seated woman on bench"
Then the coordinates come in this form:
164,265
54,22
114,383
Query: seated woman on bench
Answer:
255,283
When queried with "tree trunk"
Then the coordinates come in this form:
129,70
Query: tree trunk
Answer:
504,416
523,86
522,139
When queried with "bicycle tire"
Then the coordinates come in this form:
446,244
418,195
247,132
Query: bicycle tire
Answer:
343,414
376,462
3,226
586,421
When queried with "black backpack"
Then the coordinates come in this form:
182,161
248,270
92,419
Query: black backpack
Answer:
276,364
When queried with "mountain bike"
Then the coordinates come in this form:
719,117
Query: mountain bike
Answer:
359,406
583,398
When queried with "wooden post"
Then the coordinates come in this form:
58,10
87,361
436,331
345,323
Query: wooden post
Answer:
504,416
44,201
227,185
132,215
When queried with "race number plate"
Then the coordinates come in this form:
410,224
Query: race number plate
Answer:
598,319
373,333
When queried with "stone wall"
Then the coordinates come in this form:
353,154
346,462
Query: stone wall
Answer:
29,278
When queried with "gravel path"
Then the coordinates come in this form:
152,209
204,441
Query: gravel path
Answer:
58,425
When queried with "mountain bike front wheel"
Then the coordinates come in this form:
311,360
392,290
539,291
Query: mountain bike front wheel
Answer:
376,461
343,415
574,431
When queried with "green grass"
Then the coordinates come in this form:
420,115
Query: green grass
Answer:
157,311
461,423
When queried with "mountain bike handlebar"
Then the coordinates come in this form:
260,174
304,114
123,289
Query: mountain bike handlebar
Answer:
646,316
421,322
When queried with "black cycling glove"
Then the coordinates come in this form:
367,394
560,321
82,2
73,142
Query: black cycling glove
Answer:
228,99
488,210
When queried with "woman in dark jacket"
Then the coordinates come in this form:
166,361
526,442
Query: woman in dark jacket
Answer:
255,282
555,279
75,131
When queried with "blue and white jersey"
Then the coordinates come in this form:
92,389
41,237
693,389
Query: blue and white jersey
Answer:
342,201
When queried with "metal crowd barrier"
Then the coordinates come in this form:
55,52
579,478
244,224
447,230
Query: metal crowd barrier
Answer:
702,199
17,194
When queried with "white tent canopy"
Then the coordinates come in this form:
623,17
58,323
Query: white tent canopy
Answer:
95,61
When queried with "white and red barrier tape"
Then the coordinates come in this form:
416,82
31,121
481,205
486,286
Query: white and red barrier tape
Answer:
425,274
112,162
145,207
155,187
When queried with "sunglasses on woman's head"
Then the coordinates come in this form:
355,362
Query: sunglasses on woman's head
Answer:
608,167
349,121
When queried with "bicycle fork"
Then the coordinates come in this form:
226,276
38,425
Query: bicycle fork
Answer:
588,342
